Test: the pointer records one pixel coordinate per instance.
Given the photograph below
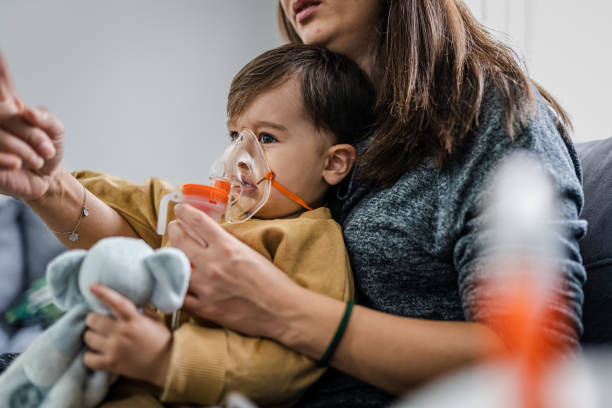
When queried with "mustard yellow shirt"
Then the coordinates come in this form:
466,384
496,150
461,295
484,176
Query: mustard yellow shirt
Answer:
208,362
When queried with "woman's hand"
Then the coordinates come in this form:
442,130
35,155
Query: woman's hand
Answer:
31,144
231,284
130,344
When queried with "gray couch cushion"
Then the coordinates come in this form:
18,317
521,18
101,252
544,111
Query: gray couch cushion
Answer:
596,247
12,265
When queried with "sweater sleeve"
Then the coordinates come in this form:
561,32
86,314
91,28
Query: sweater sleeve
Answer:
136,203
540,138
207,362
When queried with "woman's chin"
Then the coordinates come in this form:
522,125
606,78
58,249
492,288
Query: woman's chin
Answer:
313,34
327,41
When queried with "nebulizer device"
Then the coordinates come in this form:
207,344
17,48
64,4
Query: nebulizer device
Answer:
241,180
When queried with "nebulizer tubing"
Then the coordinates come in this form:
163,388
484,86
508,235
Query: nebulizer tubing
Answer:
285,191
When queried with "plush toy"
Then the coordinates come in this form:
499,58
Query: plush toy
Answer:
51,373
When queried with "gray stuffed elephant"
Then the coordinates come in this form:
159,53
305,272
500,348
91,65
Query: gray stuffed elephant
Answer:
51,373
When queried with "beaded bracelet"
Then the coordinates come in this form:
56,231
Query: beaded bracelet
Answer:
338,335
72,235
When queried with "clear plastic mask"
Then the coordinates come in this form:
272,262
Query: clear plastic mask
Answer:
244,166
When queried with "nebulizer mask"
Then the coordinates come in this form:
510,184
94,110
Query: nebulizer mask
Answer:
241,181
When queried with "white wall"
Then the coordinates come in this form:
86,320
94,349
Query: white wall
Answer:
567,45
141,85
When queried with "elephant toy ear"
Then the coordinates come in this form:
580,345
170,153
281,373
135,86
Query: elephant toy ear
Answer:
63,278
170,270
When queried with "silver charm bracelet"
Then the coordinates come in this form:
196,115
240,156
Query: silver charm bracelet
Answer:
72,235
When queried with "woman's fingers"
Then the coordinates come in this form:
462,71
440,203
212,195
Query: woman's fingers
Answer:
204,227
184,238
15,146
121,306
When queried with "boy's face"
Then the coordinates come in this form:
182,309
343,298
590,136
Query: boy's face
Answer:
295,149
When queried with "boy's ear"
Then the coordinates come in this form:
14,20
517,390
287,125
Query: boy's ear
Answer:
339,162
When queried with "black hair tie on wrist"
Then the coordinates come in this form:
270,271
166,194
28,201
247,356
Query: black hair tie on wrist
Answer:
338,335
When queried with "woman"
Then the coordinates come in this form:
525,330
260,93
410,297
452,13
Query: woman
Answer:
452,102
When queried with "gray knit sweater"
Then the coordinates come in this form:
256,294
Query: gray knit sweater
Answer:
413,246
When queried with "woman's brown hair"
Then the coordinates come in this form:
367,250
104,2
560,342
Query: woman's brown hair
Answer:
432,63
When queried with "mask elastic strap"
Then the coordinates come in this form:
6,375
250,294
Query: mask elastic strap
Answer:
283,190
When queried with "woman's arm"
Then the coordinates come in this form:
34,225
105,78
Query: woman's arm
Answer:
238,288
391,352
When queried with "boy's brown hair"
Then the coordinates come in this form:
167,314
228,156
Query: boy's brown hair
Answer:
336,93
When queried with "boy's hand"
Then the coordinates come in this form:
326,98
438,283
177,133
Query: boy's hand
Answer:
130,344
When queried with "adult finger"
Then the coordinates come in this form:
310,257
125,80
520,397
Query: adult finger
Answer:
45,119
9,161
121,306
94,340
203,226
13,145
37,138
184,240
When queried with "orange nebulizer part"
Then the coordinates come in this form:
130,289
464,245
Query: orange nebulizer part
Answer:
222,184
206,192
210,199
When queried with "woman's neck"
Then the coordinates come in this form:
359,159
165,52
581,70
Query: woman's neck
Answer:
364,61
363,56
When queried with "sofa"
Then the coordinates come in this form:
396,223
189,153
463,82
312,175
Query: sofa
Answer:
596,247
26,246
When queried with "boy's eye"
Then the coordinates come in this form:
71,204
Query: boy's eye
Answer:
233,135
266,138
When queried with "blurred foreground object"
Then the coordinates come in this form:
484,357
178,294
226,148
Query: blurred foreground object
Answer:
523,284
